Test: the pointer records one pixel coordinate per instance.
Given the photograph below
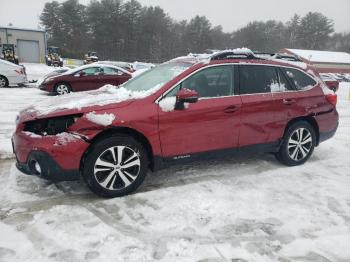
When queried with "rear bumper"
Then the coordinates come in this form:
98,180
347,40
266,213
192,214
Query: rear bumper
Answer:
17,80
327,135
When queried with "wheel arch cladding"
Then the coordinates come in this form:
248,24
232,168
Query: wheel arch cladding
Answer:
124,131
310,120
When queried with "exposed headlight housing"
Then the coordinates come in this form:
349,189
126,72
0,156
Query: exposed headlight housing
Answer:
51,126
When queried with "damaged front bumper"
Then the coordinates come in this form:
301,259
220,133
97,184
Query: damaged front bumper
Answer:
43,165
51,157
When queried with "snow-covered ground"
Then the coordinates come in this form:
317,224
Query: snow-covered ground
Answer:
36,71
237,209
13,100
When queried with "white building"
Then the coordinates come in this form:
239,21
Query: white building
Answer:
324,61
30,44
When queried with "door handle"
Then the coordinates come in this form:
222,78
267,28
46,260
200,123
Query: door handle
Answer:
288,101
231,109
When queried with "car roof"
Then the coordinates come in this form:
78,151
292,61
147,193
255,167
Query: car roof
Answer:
97,65
243,56
9,63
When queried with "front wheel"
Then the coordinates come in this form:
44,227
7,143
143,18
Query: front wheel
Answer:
62,89
115,166
298,144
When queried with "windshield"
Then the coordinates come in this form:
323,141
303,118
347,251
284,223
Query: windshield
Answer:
156,77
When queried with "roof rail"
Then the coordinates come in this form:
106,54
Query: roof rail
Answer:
244,53
287,57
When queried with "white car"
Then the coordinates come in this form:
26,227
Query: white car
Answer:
11,74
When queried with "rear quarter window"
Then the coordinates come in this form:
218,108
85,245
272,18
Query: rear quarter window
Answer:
301,80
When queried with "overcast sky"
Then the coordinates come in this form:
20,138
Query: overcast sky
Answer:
231,14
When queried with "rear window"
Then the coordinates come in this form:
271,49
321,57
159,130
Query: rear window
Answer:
300,79
284,84
255,79
111,71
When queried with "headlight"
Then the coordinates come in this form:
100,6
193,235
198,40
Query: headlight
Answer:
49,79
51,126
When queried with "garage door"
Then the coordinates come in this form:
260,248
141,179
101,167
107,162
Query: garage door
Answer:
28,51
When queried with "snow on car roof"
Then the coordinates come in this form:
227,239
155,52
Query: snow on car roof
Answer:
206,57
322,56
74,70
8,63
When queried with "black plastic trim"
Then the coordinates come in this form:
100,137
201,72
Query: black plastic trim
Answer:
271,147
327,135
50,170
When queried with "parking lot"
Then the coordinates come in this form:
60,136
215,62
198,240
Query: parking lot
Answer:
234,209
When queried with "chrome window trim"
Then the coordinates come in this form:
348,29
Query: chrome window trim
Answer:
195,72
240,63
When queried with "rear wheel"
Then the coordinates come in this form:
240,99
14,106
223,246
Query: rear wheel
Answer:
62,89
298,144
3,81
115,166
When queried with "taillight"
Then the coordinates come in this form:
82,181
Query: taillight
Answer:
20,71
332,98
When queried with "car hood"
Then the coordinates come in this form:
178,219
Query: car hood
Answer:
104,98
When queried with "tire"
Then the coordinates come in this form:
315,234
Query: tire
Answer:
104,173
298,144
3,82
62,89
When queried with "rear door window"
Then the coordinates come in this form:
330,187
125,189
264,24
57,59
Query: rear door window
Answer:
256,79
92,71
112,71
299,79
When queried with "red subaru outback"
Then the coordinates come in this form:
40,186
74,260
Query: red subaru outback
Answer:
182,110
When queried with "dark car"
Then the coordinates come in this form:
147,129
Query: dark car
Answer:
183,110
330,81
85,78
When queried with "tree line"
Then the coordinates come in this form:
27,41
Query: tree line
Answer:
128,31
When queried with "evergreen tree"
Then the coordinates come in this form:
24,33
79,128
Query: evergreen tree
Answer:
50,18
128,31
74,24
314,31
197,36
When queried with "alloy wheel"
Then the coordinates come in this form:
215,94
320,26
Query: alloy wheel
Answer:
117,167
300,144
62,89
